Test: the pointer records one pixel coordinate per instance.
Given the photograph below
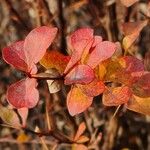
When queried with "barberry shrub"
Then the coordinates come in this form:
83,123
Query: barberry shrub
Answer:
93,68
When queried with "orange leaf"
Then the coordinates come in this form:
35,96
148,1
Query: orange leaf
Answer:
125,70
140,105
54,59
132,31
80,131
92,89
77,102
128,3
116,96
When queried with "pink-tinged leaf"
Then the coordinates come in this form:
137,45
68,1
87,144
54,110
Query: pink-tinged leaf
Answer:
81,74
80,131
37,41
79,147
102,51
77,102
132,31
81,42
141,88
128,3
92,89
116,96
81,37
15,56
77,56
140,105
9,116
23,93
23,112
97,40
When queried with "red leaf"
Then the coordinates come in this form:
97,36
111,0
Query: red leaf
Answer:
23,93
116,96
15,55
37,41
147,61
81,41
141,88
77,102
80,131
92,89
128,3
81,74
80,38
102,51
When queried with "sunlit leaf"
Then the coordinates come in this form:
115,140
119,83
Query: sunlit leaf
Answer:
80,41
102,51
140,105
81,74
37,41
9,116
54,59
92,89
23,93
16,56
116,96
23,112
77,102
132,31
125,70
80,38
141,88
80,131
128,3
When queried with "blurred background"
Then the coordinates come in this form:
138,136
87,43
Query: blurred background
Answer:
128,130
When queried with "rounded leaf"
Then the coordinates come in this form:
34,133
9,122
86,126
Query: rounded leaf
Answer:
92,89
102,51
23,93
77,102
116,96
37,41
81,74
